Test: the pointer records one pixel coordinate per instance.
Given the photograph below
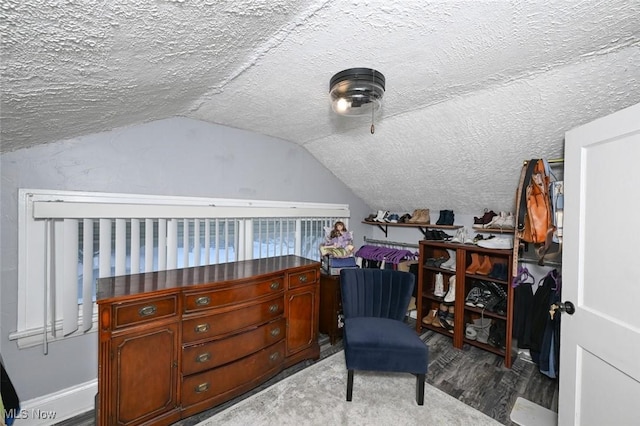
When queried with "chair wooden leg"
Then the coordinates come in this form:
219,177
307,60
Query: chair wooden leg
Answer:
420,389
349,384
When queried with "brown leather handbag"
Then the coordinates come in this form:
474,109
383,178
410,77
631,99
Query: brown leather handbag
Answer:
534,213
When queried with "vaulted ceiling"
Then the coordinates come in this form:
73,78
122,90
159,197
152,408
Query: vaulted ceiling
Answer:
473,87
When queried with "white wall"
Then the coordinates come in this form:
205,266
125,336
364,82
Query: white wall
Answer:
176,156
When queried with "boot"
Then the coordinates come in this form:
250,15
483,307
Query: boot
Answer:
381,215
448,217
426,216
485,266
448,320
451,293
442,219
439,285
475,264
413,217
451,263
441,316
433,313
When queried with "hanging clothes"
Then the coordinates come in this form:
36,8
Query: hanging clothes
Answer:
523,301
544,336
384,255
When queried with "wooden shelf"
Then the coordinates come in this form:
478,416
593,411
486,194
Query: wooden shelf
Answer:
423,227
463,284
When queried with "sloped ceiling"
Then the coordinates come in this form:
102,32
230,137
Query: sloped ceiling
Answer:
473,87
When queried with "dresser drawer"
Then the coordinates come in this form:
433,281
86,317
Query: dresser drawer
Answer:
131,313
201,357
224,379
299,279
199,301
206,327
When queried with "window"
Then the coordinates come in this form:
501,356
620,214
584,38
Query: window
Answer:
67,240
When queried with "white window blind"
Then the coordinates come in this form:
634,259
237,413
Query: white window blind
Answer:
68,239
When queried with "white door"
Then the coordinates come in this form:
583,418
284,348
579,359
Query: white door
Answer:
600,343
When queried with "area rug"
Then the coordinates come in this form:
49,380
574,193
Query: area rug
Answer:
316,396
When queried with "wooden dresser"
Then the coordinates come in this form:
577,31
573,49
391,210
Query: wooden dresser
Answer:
174,343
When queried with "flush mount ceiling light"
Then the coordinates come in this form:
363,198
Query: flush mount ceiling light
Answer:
356,91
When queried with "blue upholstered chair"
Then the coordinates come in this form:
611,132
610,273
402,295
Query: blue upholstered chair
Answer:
376,338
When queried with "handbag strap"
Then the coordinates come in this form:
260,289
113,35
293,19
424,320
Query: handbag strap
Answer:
531,165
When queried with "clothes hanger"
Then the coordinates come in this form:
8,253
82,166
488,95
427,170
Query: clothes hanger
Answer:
522,277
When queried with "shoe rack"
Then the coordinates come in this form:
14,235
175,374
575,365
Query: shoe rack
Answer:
465,256
423,227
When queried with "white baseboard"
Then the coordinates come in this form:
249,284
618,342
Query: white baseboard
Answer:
58,406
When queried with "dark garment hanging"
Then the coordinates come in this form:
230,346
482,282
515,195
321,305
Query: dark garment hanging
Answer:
522,302
9,397
545,331
548,361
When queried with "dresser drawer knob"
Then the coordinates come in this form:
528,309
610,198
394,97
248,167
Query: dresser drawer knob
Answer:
147,310
275,285
203,357
303,278
203,300
275,331
273,308
274,356
202,328
202,387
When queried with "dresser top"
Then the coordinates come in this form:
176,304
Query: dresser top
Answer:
130,285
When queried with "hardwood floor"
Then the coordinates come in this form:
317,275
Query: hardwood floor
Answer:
475,377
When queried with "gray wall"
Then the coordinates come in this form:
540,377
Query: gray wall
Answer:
176,156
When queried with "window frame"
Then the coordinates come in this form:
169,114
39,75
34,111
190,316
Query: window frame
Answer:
41,206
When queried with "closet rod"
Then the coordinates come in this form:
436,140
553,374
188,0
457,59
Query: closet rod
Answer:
390,243
550,161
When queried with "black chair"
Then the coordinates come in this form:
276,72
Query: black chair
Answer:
375,336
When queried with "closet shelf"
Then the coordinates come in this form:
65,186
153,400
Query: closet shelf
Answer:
494,230
423,227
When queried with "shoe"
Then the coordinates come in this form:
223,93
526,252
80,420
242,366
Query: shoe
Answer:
477,238
497,334
392,218
485,266
466,238
476,261
499,271
370,218
482,326
474,295
497,243
481,222
470,332
425,218
448,321
381,216
451,263
404,218
441,316
435,262
420,216
446,217
439,285
428,320
451,293
497,221
459,237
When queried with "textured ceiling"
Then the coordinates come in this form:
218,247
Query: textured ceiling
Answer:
473,87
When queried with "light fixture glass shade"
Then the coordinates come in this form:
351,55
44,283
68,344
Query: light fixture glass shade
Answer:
356,91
